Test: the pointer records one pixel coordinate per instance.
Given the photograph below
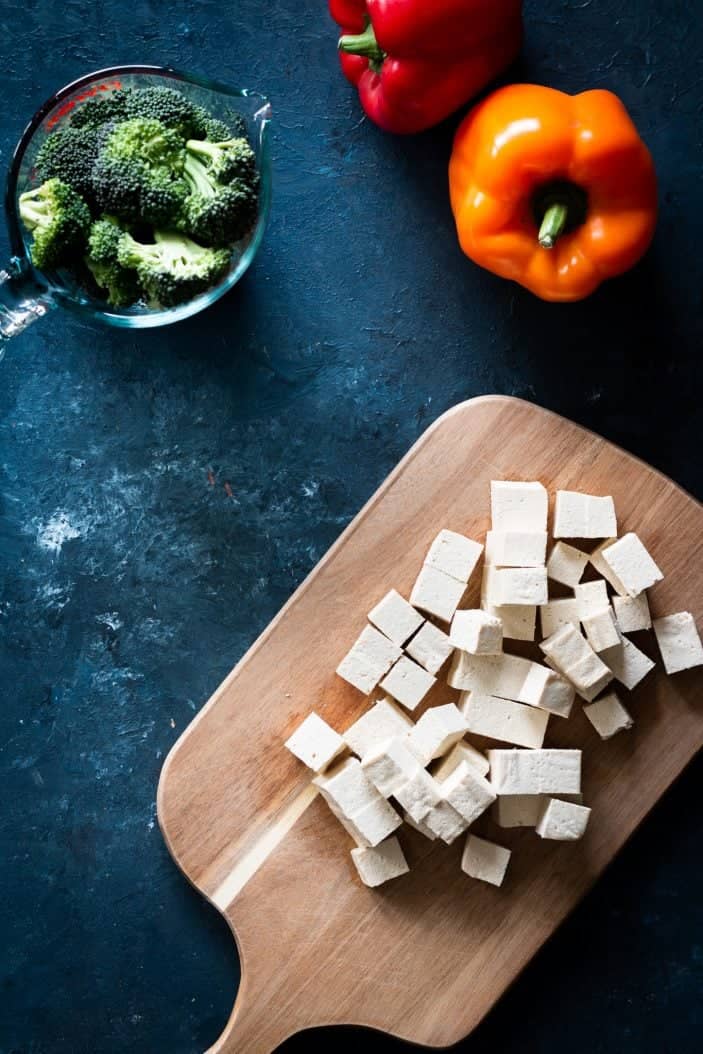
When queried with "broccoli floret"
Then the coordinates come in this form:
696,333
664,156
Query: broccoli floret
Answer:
172,269
170,107
215,130
137,172
215,212
120,284
69,154
95,112
59,220
226,160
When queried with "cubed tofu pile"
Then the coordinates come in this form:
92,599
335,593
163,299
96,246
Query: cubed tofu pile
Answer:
388,769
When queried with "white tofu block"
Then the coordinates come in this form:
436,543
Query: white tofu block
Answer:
608,716
518,620
385,720
372,824
584,516
315,743
591,597
576,660
461,751
556,614
563,821
418,795
347,788
437,593
502,719
516,548
502,675
421,827
390,765
436,732
518,810
408,683
632,613
566,564
679,642
467,792
631,564
395,618
601,629
379,865
445,822
520,585
596,559
430,648
548,690
369,659
628,664
454,555
485,860
548,771
590,676
477,632
517,506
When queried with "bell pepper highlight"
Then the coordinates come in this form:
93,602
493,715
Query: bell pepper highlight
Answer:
556,192
415,62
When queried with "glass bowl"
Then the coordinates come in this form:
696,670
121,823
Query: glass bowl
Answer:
27,294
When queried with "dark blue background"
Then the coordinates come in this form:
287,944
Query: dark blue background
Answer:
163,493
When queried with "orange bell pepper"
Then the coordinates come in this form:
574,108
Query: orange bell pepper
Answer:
557,192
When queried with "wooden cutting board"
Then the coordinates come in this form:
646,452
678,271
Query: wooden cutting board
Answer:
426,956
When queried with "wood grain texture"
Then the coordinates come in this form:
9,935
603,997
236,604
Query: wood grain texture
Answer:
425,957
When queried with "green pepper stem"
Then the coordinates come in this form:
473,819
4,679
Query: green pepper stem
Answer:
553,224
363,44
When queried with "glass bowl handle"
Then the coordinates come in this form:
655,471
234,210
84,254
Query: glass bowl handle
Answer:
22,301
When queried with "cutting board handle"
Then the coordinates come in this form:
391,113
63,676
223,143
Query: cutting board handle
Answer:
251,1029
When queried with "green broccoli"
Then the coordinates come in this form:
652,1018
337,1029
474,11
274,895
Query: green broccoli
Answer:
226,160
59,220
215,130
170,107
69,154
172,269
215,212
100,109
120,284
137,174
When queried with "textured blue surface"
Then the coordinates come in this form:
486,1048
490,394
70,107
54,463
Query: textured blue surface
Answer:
161,494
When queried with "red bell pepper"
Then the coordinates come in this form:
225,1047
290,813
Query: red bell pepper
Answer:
416,61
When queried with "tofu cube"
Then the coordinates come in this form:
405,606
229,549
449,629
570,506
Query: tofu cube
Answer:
430,648
563,821
556,614
421,827
597,561
372,824
632,613
576,660
591,597
601,629
608,716
566,564
505,720
385,720
418,795
467,792
518,619
379,865
477,632
389,766
347,788
454,555
408,683
549,691
628,664
517,506
461,751
315,743
369,659
516,548
437,593
548,771
584,516
445,822
436,732
520,585
395,618
502,675
679,642
484,860
631,564
590,676
517,810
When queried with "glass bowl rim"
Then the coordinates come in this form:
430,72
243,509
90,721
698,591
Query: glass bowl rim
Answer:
165,316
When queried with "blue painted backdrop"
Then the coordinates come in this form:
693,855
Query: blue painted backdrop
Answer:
162,494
